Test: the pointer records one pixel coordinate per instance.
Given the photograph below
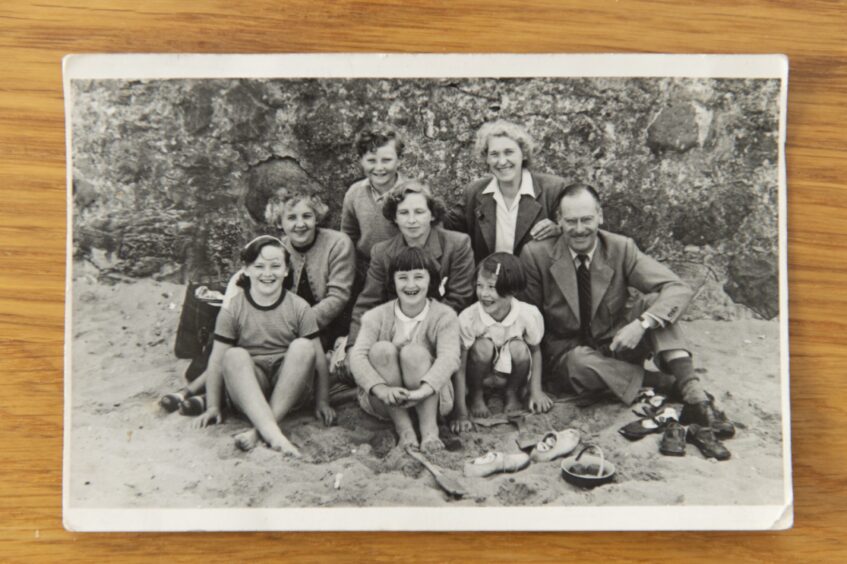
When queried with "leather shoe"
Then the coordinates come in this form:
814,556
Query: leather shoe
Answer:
705,415
704,439
673,440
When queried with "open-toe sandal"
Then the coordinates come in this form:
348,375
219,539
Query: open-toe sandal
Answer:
640,428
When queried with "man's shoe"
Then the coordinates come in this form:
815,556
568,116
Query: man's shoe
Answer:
705,415
673,440
704,439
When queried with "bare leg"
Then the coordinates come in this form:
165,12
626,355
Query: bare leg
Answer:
480,357
384,357
518,377
415,361
198,385
247,394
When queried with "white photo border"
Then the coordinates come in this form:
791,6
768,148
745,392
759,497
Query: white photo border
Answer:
606,518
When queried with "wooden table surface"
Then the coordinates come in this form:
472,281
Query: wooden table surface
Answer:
35,35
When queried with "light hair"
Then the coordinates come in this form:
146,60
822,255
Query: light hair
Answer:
503,128
275,209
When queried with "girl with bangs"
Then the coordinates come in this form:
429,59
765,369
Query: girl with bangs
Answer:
406,352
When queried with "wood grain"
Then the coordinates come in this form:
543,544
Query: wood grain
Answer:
34,37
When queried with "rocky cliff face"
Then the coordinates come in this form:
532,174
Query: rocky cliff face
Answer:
171,176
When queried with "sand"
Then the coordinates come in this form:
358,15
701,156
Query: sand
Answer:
127,452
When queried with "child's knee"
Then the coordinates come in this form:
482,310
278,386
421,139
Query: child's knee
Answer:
302,349
382,354
519,351
235,358
482,351
414,356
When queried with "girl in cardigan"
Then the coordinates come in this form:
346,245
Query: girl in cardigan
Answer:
406,352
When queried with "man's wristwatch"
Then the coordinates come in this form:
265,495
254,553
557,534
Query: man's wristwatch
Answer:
646,322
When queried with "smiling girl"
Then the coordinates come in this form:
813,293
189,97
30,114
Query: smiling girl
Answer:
501,336
266,352
406,352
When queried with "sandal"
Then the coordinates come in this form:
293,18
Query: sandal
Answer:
649,403
554,445
673,440
495,462
171,402
195,405
640,428
704,439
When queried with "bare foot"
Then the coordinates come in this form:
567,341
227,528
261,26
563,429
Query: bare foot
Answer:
284,446
431,444
513,403
247,440
408,440
478,408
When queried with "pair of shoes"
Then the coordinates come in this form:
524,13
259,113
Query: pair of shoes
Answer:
496,462
704,439
705,415
171,402
640,428
192,406
554,445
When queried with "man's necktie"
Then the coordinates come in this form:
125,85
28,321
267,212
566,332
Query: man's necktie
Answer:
583,279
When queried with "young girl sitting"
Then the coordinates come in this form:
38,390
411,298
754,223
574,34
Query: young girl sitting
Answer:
406,351
266,352
501,335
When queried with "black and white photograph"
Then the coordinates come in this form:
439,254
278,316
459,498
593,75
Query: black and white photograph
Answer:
426,292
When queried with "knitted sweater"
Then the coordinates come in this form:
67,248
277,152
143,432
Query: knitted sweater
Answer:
362,219
438,333
330,264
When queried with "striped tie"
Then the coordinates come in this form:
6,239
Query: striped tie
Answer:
583,279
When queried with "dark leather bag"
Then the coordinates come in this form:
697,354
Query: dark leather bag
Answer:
196,325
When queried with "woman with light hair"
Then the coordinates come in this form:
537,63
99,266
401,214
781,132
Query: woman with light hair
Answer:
321,260
513,205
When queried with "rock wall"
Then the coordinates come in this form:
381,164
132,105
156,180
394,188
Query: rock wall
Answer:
171,176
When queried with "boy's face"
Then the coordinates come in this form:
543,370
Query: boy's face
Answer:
380,166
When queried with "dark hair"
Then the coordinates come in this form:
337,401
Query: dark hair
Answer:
414,258
397,194
573,190
370,139
507,270
251,252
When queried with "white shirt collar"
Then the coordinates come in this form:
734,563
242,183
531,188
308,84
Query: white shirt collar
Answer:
590,254
405,318
488,321
526,189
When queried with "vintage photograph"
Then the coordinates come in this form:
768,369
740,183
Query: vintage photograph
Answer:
426,292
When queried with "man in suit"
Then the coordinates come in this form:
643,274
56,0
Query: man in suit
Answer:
594,340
